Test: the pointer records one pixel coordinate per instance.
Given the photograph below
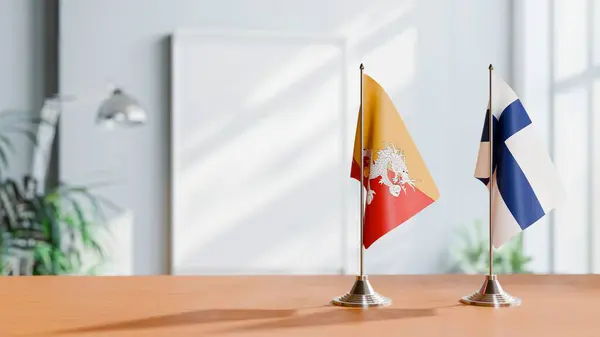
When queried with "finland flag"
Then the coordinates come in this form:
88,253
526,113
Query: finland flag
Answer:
526,185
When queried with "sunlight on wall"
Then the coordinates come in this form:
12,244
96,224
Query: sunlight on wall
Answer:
281,144
394,63
208,130
571,156
570,47
273,183
373,18
306,62
258,149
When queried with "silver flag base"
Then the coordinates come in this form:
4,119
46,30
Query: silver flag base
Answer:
361,295
491,294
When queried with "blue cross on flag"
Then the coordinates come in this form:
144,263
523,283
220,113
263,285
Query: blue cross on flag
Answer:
526,185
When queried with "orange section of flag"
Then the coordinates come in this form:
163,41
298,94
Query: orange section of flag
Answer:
397,181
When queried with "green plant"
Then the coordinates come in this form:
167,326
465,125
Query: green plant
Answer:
77,218
51,233
471,256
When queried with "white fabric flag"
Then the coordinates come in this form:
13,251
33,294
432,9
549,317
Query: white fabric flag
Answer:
526,184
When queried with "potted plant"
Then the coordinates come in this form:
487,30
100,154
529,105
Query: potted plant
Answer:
471,255
46,233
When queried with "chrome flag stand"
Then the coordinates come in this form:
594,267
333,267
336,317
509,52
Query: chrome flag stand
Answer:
362,294
491,293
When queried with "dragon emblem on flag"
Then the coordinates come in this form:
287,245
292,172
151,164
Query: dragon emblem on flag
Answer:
388,159
384,161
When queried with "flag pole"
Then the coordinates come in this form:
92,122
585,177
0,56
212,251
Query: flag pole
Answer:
362,174
362,294
491,133
491,293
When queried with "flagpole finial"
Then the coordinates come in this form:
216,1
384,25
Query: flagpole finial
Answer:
362,67
491,67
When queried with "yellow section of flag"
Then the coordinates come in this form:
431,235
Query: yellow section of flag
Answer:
383,127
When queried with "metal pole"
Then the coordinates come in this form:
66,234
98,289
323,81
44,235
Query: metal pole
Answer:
362,170
491,293
362,294
491,127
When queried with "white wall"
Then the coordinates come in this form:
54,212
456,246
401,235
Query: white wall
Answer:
22,68
430,55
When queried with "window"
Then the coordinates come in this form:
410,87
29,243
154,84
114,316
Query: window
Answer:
557,59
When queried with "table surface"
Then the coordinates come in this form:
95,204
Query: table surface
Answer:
553,305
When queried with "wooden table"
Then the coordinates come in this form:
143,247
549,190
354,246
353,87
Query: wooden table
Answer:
565,306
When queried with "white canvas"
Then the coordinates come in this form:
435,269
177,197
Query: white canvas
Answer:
259,163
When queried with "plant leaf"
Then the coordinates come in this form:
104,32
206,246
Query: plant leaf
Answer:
473,254
3,157
27,133
7,142
43,253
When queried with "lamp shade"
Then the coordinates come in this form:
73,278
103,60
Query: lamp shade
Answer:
121,109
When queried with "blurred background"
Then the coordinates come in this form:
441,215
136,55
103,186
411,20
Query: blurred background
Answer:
238,161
